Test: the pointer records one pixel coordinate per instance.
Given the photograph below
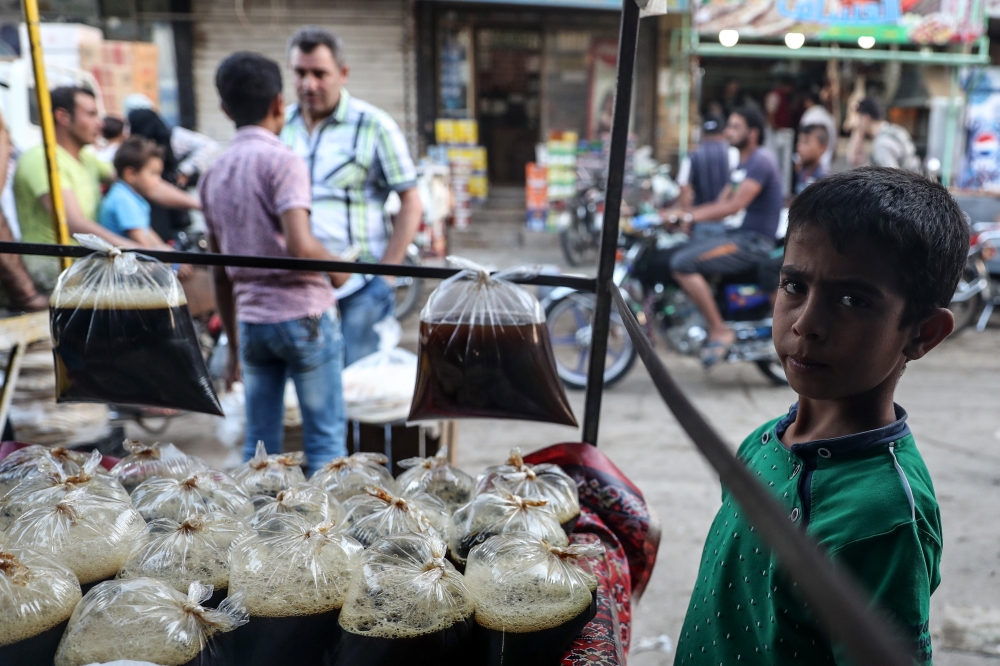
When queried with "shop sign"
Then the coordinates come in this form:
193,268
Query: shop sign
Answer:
981,164
932,22
669,5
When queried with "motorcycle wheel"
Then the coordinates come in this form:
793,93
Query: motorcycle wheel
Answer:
578,246
569,322
773,371
408,292
966,313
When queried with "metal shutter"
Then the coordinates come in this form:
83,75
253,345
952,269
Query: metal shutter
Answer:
377,41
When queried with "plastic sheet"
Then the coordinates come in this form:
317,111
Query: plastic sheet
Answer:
90,534
145,620
379,513
270,474
406,605
485,353
200,493
149,461
379,387
24,463
532,599
196,550
51,484
546,481
349,476
295,577
303,499
438,477
122,334
37,597
500,511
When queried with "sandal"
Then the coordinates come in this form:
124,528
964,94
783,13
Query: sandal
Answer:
713,352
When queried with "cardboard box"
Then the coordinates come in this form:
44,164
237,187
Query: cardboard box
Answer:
145,70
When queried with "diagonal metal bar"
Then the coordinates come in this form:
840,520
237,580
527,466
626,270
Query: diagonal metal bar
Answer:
628,39
842,607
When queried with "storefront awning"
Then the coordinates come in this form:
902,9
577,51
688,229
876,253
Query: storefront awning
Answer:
576,4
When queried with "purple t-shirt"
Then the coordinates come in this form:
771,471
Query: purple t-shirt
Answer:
764,212
243,195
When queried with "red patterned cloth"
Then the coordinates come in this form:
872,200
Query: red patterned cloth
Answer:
614,509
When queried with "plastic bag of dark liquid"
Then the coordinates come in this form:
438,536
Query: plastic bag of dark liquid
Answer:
122,334
485,353
406,605
532,598
37,596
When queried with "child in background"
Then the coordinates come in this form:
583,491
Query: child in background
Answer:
114,135
872,259
139,163
810,148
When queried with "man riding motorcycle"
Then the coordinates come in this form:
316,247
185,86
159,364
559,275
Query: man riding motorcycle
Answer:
755,185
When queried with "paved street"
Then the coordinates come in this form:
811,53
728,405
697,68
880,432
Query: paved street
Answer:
951,398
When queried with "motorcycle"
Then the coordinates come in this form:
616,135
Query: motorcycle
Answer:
663,307
978,291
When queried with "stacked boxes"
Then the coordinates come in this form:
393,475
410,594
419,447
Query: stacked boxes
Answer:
125,68
536,195
468,160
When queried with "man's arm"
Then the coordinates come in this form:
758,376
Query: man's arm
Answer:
226,305
405,226
300,242
887,152
78,224
731,201
170,196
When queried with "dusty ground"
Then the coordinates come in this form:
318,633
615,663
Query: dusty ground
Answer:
951,398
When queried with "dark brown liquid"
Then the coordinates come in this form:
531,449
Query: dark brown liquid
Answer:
39,650
306,640
535,648
498,372
448,647
131,357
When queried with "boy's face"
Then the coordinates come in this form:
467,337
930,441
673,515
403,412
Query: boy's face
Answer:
810,150
837,317
145,179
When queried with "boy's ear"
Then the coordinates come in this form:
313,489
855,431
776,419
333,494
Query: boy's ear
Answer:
226,111
278,106
930,334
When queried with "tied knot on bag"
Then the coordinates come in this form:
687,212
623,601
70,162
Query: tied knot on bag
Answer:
190,483
576,551
14,569
192,524
522,503
67,509
143,451
516,460
423,524
124,262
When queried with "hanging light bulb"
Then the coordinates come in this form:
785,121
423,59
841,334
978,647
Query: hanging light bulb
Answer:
866,41
795,40
729,37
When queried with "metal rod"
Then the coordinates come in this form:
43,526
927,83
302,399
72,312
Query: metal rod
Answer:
292,264
921,57
48,126
838,602
601,324
10,380
951,122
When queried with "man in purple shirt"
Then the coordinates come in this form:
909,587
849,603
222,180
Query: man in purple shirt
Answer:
256,199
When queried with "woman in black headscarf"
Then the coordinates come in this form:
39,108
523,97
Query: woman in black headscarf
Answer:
147,123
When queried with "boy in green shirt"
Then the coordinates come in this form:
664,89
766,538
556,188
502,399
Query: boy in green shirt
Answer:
871,262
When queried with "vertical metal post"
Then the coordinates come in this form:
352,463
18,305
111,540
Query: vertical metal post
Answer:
627,42
684,55
31,17
951,127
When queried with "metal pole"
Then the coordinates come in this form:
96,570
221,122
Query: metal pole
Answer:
48,126
627,42
684,55
948,158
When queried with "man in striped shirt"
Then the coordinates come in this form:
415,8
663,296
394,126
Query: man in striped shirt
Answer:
357,156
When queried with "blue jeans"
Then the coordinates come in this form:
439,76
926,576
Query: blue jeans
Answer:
359,312
311,352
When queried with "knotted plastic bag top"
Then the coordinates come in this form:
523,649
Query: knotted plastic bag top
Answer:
23,463
90,534
37,593
438,477
348,476
500,511
406,588
145,620
379,513
290,568
546,481
485,352
303,499
270,474
523,584
50,484
122,334
200,493
149,461
195,550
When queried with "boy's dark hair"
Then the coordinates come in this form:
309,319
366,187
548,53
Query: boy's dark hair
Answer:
870,107
248,83
64,97
307,38
915,218
820,133
113,128
754,120
134,152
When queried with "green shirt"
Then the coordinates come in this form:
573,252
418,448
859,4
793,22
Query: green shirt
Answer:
867,499
81,176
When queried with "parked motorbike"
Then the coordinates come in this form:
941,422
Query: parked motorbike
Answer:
663,307
978,291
